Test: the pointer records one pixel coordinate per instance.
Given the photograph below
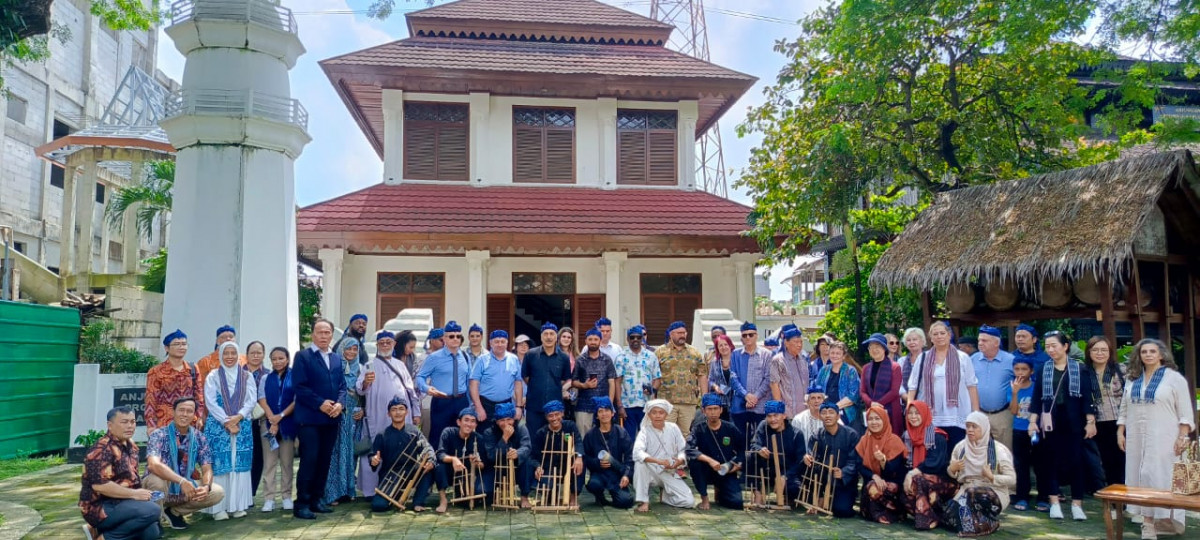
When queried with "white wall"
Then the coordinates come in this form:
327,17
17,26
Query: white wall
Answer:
359,274
92,397
491,135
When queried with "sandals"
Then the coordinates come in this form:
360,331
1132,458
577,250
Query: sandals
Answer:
1021,506
1043,507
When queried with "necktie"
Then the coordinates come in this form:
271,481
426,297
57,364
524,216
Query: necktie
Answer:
454,358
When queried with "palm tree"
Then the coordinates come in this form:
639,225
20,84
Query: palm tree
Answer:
150,200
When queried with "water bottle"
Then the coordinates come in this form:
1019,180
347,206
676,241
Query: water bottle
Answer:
1035,438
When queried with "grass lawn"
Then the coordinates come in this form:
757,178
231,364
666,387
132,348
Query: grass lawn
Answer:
18,466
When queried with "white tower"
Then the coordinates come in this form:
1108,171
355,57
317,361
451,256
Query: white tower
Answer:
238,132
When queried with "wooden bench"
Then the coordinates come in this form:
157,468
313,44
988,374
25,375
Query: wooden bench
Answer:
1116,496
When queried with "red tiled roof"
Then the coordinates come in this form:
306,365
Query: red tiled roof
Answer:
538,12
466,209
538,58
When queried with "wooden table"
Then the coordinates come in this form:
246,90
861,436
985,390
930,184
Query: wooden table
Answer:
1116,496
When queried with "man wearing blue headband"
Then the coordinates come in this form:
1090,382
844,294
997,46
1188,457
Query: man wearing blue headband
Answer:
458,448
639,376
752,383
835,445
789,371
380,381
546,371
808,422
994,373
212,361
776,444
549,450
495,380
356,330
608,455
595,376
435,341
684,376
173,379
605,327
507,443
715,456
475,348
398,439
1026,339
444,377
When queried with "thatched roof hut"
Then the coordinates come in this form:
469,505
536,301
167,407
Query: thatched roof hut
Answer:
1047,226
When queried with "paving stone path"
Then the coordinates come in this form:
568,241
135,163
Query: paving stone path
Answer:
54,493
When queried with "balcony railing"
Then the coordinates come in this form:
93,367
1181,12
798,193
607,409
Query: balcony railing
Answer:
262,12
247,103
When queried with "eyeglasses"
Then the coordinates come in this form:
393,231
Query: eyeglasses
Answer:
453,336
751,334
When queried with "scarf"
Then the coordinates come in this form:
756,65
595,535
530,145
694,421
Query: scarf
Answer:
885,441
883,381
193,446
279,394
920,438
232,403
1048,379
953,372
977,455
1136,394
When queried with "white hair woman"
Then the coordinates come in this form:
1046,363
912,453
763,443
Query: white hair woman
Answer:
914,345
230,394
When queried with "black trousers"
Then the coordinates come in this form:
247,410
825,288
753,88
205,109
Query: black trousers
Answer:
130,520
728,488
316,454
1064,461
1111,455
256,462
1022,461
954,435
443,413
608,480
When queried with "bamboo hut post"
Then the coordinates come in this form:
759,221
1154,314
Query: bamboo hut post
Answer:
1135,301
1107,317
1189,333
1164,310
926,308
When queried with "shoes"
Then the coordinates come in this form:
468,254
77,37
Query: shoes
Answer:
287,504
177,521
1043,507
303,513
1077,513
1138,519
269,506
321,509
239,514
1056,511
221,516
1149,532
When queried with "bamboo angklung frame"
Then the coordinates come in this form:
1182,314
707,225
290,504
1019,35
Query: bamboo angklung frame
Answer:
816,488
504,488
464,481
556,494
400,482
759,481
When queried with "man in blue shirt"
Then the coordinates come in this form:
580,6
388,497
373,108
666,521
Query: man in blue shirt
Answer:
444,377
1027,348
495,379
752,386
994,371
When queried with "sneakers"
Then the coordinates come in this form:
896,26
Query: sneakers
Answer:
1077,513
222,516
1149,532
239,514
287,504
269,506
1056,511
177,521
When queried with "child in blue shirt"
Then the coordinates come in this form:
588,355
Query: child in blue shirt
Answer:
1022,450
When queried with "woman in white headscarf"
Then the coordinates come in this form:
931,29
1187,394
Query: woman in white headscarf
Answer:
231,393
985,472
658,452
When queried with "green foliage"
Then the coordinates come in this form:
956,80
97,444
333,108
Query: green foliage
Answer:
150,199
24,464
126,14
1164,30
310,305
97,346
90,438
154,278
883,311
382,9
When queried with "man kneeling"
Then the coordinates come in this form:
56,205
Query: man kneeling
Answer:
659,451
715,456
608,454
179,463
401,446
508,449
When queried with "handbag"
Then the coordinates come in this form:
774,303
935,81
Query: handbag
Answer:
1185,474
258,412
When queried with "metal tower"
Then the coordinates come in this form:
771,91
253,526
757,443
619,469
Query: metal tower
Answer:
691,38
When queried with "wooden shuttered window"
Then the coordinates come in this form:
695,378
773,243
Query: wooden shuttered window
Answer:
396,291
436,139
500,309
543,145
588,309
667,298
647,148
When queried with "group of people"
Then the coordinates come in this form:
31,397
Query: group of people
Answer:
937,435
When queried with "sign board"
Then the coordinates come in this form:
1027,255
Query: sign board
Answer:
134,398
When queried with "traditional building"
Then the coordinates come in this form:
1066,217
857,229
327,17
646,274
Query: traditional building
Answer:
539,165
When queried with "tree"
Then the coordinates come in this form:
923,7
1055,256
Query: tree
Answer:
150,199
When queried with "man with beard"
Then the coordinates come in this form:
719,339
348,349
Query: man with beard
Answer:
684,376
396,440
458,448
546,371
356,330
836,443
776,444
505,442
595,376
639,376
608,455
715,456
550,447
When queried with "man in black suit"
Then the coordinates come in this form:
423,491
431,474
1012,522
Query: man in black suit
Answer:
320,387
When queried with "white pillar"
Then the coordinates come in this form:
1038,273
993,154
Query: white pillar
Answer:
743,276
66,231
131,239
233,237
480,106
85,203
393,136
606,112
477,287
332,265
688,114
614,263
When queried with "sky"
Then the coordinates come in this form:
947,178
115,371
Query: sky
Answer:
741,36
